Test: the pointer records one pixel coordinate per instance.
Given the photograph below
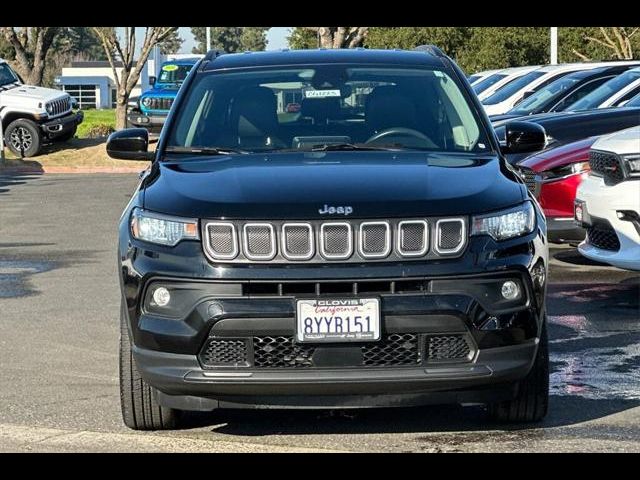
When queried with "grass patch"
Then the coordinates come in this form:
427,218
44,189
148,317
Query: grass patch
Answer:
94,118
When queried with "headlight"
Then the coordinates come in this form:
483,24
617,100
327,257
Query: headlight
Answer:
49,108
564,171
146,102
507,223
633,164
162,229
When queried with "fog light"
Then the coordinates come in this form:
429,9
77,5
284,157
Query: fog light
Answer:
161,296
510,290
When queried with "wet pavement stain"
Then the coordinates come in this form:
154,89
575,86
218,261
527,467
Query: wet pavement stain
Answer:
15,276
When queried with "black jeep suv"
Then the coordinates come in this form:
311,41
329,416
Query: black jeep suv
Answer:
373,248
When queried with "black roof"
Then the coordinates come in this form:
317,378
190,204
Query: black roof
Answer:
319,56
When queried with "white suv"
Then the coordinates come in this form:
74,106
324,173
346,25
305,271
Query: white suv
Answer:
32,116
608,201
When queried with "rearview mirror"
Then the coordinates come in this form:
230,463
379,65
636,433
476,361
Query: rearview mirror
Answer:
152,80
524,137
129,144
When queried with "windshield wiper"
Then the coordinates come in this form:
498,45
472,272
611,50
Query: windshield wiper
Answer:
329,147
206,150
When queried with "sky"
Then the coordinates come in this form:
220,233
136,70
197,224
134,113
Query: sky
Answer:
276,38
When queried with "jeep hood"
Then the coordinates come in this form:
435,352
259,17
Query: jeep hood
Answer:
28,93
298,185
164,90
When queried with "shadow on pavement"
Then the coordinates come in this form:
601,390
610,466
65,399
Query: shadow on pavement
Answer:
10,179
563,411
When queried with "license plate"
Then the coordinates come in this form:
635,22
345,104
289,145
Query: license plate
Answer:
338,320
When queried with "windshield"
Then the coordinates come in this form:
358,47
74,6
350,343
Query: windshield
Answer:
543,96
346,107
634,102
485,83
605,91
6,75
171,73
512,87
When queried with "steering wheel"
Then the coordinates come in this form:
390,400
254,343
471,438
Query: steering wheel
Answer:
401,131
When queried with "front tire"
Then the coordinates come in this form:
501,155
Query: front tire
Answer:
140,410
23,137
532,402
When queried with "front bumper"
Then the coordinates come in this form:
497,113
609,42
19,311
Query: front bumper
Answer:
604,203
60,126
151,121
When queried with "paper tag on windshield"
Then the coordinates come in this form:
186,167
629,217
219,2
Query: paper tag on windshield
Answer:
321,93
170,68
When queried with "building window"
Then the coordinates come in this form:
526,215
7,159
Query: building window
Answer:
114,97
85,95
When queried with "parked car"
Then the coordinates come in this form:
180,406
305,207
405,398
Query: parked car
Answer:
608,201
384,259
34,116
476,77
491,84
553,176
509,96
564,91
565,127
150,110
613,93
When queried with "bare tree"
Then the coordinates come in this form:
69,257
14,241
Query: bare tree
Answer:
616,39
126,76
31,45
340,37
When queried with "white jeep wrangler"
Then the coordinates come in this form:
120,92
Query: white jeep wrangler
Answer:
33,116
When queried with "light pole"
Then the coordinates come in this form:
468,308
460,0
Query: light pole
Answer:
1,144
554,45
208,38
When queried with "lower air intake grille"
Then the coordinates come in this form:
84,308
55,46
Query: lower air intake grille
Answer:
280,351
226,352
529,178
395,349
447,347
604,237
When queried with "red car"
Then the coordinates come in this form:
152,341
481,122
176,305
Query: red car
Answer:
553,176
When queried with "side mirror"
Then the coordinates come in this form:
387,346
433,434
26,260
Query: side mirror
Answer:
524,137
152,81
129,144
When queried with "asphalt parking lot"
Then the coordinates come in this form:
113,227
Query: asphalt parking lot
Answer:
59,346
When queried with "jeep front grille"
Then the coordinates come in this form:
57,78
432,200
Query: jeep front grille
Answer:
282,351
607,165
59,106
158,103
345,241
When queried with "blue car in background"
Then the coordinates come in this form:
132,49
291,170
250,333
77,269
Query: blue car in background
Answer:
152,107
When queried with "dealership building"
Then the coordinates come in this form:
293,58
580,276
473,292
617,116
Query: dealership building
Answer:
93,85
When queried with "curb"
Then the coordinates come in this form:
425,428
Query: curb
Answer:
75,170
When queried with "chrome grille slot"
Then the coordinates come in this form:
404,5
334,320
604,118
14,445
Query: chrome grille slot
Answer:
297,241
259,241
59,106
375,239
336,242
413,238
450,236
222,241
